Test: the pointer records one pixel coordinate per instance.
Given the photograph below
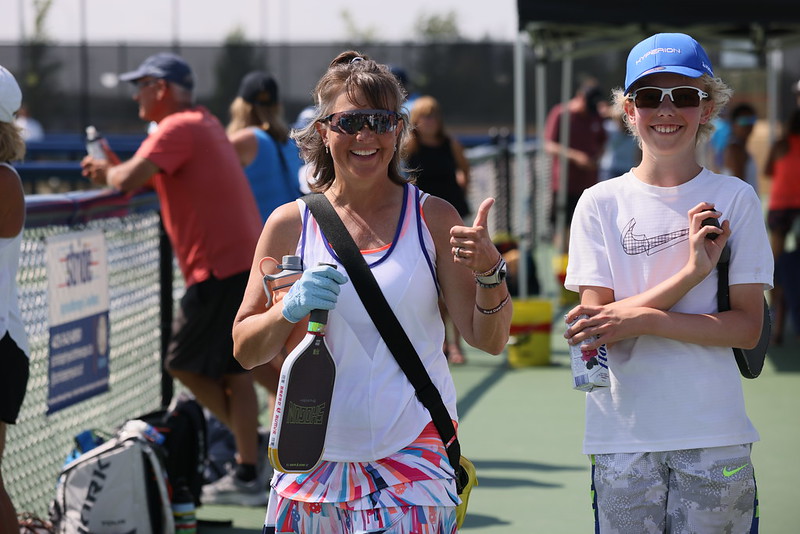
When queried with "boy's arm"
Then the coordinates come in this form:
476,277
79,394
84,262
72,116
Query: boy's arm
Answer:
738,327
705,247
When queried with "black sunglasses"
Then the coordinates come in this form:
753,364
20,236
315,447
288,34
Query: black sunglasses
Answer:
684,96
379,121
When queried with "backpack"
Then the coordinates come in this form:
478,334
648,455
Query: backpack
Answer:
221,449
118,487
183,426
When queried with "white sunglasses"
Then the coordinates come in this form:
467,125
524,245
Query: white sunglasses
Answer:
684,96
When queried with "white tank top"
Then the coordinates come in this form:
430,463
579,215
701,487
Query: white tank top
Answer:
10,317
374,410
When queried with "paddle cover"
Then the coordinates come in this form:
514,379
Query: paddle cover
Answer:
302,403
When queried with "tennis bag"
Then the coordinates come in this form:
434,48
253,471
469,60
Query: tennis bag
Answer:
118,487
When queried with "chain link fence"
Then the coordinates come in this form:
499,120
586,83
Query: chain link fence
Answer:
37,445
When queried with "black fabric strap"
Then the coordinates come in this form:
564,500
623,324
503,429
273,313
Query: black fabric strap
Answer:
385,320
723,289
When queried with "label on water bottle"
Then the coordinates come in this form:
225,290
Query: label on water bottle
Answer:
95,143
589,367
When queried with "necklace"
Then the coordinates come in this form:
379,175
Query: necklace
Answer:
365,234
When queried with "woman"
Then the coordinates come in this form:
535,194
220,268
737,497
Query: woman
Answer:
13,341
736,159
271,162
384,465
436,160
438,166
261,138
783,215
669,438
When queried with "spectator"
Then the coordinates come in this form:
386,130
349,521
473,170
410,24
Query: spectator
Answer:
212,221
583,149
669,437
783,215
736,159
260,136
714,149
384,465
438,166
271,162
622,150
31,128
410,96
305,175
14,351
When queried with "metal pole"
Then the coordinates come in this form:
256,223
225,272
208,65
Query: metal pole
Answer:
774,65
176,44
521,193
563,161
21,5
542,174
83,108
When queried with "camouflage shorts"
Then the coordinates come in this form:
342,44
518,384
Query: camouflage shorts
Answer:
700,491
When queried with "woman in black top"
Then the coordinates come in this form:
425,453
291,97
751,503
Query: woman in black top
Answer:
436,163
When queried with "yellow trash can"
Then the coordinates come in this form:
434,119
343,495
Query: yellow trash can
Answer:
566,298
531,324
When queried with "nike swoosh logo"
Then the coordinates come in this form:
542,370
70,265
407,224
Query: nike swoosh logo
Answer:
730,472
634,244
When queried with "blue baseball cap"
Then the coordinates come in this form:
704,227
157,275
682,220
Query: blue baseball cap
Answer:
666,52
164,65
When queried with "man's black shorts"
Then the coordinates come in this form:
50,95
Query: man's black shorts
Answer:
781,221
13,379
201,332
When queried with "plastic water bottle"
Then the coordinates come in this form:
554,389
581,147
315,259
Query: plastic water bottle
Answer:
95,143
183,509
141,428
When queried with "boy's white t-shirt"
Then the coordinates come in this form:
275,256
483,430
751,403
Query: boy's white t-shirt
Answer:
664,394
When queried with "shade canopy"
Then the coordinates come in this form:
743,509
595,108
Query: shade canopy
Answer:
627,21
569,29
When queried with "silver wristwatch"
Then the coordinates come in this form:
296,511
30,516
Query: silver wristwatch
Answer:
495,277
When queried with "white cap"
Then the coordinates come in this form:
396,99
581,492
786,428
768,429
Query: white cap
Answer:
10,95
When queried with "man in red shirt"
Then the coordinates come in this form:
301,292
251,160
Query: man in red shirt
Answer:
583,149
213,223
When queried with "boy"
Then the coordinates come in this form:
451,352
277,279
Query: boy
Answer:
669,438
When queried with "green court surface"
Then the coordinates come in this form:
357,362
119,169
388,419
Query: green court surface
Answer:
523,429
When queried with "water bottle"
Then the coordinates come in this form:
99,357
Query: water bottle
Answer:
183,509
95,143
141,428
290,270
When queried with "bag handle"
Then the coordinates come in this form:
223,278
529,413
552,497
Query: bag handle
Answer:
750,362
723,289
386,322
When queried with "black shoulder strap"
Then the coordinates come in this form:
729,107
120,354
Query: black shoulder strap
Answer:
385,320
723,288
